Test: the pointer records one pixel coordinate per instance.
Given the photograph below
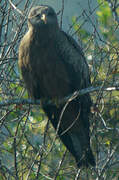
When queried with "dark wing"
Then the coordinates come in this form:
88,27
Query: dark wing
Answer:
74,127
75,61
73,74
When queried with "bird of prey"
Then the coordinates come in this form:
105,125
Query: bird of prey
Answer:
53,66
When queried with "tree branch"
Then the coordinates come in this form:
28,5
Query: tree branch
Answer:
60,101
113,6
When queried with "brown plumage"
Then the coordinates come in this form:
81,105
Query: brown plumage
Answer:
53,66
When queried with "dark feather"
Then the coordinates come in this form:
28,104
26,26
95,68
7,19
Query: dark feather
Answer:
53,66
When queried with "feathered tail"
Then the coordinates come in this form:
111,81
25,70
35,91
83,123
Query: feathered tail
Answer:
73,131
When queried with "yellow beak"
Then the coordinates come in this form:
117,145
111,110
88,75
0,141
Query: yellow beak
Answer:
43,17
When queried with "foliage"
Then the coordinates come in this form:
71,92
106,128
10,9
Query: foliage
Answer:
29,147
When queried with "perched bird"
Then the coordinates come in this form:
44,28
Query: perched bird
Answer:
53,66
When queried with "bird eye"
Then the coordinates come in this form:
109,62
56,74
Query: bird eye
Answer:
38,15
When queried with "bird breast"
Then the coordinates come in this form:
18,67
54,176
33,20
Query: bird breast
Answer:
46,67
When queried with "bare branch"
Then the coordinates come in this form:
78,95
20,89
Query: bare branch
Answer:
60,101
19,11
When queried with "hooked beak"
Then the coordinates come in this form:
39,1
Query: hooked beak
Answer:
43,17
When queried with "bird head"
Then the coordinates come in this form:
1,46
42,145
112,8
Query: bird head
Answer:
42,17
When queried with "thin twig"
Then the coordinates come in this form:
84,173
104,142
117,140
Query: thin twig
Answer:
19,11
60,101
60,164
